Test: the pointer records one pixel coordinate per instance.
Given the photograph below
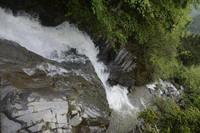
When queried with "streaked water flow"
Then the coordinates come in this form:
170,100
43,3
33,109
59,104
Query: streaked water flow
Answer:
47,40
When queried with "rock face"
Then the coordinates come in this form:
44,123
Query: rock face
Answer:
41,95
44,9
122,69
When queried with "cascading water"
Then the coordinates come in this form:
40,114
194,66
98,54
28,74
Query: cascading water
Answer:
47,40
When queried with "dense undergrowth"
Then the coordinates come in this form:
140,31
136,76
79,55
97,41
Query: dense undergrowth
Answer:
171,116
156,32
153,27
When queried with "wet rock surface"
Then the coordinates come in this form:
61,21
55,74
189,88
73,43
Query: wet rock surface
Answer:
142,97
122,69
44,9
165,89
41,95
128,122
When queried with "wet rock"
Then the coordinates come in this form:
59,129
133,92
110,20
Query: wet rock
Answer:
140,128
106,52
122,69
7,123
76,120
41,95
13,53
34,112
171,89
176,85
125,122
131,89
165,89
92,129
48,14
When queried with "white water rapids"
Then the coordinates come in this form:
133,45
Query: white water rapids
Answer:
45,40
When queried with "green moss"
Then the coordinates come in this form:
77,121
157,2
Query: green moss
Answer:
72,107
72,98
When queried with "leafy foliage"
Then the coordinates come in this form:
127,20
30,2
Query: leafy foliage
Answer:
190,78
189,50
157,57
171,118
155,33
161,56
120,19
152,26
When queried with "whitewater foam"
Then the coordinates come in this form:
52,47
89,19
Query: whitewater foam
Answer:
46,40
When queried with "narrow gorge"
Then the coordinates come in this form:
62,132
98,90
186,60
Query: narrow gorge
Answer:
57,77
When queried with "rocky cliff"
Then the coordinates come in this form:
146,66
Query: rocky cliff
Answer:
38,94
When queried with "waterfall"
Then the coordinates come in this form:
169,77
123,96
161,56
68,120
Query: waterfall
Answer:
44,41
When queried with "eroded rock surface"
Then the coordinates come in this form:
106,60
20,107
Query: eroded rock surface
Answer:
41,95
122,69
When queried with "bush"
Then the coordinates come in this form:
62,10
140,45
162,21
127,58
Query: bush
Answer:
170,118
190,79
189,50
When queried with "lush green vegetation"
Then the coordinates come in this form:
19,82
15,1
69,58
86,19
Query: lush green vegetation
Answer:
155,31
189,50
182,116
149,28
172,118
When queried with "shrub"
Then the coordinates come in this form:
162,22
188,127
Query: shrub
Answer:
170,118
